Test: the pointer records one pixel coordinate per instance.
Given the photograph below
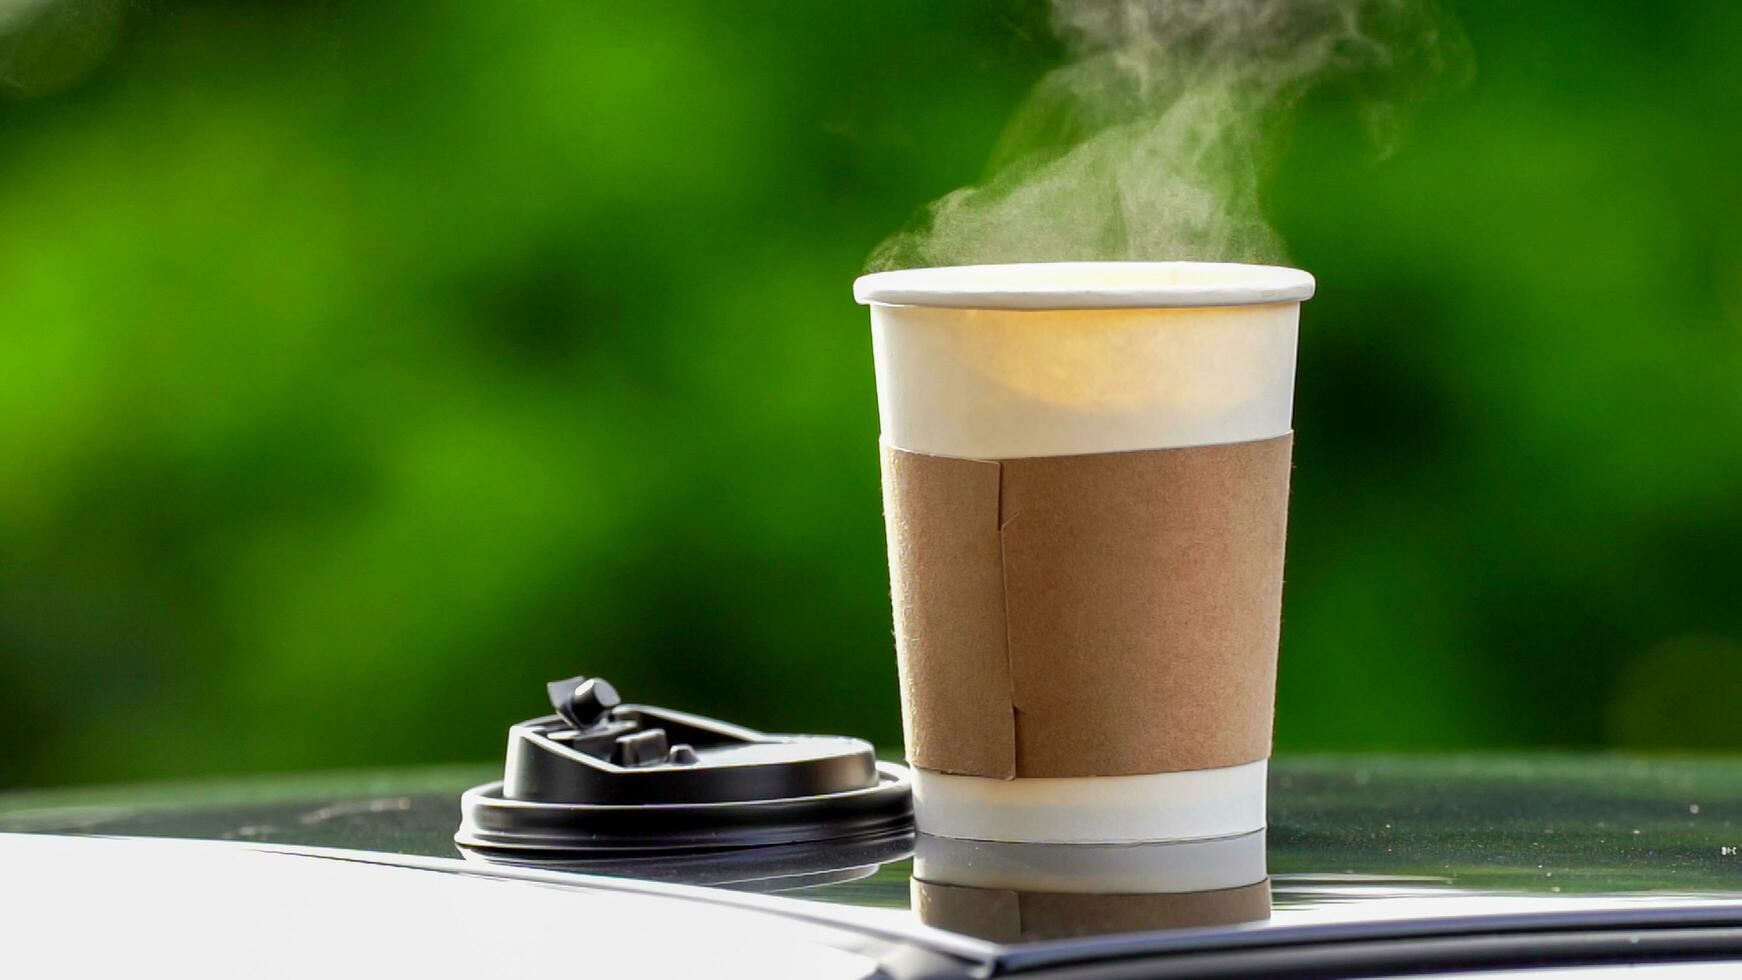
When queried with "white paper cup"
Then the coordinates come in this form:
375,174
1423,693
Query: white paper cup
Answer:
1060,359
1164,806
1177,867
1056,359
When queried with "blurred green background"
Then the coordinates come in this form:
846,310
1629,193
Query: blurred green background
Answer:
363,366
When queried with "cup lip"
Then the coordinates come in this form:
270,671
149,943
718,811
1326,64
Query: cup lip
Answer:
1086,285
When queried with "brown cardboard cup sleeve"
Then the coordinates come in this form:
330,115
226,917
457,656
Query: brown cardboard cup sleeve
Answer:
1103,614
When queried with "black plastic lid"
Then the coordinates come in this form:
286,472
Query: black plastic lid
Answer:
610,779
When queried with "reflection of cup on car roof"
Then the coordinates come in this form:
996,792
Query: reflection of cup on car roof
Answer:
1011,892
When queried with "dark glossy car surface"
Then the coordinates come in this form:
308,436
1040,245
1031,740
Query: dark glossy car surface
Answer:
1378,865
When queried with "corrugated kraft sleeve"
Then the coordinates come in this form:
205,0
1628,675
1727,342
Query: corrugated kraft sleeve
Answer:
947,581
1094,615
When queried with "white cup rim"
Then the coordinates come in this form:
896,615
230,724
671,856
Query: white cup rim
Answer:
1086,285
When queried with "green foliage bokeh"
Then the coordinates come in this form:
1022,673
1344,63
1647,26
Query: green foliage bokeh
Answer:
364,366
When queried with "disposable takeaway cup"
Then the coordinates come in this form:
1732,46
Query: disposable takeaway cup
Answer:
1085,475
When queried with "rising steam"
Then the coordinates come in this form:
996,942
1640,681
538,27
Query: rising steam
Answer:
1149,143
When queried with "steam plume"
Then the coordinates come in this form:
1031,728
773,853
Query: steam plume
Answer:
1149,143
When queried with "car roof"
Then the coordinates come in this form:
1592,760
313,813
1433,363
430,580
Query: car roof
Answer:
109,906
1358,846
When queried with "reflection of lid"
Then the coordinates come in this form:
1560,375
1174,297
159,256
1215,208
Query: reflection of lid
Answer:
774,868
607,778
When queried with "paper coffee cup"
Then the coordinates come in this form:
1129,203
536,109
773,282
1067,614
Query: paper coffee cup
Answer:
1085,476
1010,892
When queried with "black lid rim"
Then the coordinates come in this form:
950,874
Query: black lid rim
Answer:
490,822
